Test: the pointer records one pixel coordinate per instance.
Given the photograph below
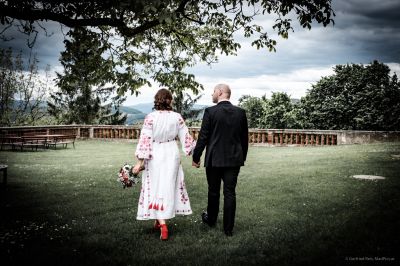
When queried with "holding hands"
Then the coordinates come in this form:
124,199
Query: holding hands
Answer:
197,165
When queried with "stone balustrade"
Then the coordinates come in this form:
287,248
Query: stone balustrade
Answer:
266,137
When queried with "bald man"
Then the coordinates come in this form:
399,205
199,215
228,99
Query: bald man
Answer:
224,135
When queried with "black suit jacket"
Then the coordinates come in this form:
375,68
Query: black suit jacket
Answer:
224,134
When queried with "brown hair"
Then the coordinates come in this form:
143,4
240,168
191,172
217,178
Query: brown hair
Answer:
163,100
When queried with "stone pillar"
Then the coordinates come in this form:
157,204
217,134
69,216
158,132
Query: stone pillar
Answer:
270,138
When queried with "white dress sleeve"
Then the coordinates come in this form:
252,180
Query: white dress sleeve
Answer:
187,141
145,144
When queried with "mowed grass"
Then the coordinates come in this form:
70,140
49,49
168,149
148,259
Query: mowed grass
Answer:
295,206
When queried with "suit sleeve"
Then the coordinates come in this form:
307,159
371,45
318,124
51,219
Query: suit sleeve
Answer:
203,137
245,136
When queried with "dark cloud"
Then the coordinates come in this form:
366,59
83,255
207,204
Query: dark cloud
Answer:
47,46
371,27
368,13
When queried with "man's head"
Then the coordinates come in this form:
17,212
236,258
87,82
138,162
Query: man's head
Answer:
221,92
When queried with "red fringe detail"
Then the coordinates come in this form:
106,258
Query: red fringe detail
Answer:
162,207
150,206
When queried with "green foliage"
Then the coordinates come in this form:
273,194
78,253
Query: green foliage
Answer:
184,104
254,107
22,90
356,97
277,112
7,85
158,40
83,85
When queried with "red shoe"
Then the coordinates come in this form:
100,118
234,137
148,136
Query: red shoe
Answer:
164,232
157,225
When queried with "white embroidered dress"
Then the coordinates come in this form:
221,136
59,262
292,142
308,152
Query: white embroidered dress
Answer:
163,193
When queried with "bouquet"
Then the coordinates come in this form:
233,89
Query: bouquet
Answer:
126,177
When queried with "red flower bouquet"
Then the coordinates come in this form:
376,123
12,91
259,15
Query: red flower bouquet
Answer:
126,177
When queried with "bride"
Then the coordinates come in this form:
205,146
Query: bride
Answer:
163,193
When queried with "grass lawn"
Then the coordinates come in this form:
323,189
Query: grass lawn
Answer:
295,206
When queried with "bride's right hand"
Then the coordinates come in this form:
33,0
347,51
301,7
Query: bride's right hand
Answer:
136,168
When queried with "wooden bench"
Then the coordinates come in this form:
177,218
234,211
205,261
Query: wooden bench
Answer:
8,140
33,142
64,140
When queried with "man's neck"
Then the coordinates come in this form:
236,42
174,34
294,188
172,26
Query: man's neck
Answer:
223,100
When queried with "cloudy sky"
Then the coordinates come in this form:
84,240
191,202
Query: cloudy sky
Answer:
364,30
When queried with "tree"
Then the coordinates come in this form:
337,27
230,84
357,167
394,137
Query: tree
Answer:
157,39
278,112
23,91
83,85
184,104
254,109
8,81
356,97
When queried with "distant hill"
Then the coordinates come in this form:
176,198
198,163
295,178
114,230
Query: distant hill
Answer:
133,115
148,107
145,108
134,118
129,110
142,109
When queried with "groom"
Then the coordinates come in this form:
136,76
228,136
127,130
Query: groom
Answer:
224,134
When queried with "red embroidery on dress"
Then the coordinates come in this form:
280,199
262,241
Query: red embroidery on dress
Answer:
144,147
184,196
189,143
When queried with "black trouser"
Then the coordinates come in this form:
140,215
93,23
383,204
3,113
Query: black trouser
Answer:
229,176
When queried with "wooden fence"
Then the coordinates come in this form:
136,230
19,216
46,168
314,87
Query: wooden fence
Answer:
267,137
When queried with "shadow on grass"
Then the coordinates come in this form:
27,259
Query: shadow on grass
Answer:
31,235
368,231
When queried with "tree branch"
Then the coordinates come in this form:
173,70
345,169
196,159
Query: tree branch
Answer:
39,15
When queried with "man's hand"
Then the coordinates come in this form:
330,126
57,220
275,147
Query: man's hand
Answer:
197,165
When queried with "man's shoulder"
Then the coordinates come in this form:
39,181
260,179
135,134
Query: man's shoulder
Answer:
211,109
224,105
